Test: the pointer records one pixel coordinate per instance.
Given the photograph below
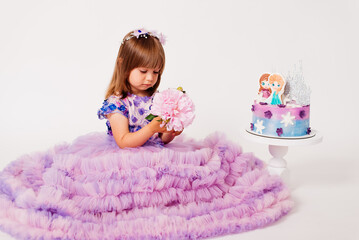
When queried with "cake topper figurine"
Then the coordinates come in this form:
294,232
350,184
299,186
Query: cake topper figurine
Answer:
277,85
264,89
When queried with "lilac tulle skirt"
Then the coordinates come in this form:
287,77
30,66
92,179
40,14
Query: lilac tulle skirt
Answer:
91,189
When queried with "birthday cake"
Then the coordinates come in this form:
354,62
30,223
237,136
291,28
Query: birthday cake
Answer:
282,106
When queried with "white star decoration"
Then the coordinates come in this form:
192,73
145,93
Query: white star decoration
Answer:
287,119
259,126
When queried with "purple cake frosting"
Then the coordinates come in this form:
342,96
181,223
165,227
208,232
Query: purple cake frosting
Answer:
281,120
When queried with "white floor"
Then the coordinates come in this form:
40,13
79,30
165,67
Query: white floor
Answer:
325,190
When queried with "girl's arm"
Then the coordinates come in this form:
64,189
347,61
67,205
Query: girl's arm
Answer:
124,138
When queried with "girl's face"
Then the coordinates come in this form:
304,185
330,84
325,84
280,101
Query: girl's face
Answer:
275,86
265,84
142,78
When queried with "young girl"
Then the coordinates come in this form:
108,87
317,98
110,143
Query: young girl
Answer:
135,182
139,66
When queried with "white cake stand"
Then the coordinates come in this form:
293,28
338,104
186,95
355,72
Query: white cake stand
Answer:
278,148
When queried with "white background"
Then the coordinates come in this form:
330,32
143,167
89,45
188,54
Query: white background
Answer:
57,58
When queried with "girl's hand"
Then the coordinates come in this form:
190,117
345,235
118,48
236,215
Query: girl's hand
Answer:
176,133
155,126
164,134
169,136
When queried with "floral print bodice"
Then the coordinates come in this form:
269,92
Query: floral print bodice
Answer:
134,108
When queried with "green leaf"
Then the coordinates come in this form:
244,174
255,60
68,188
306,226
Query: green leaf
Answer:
150,117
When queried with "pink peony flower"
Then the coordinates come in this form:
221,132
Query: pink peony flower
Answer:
175,108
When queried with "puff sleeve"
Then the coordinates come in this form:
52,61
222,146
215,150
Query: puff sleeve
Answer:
113,104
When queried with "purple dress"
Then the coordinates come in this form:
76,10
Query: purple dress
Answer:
134,108
92,189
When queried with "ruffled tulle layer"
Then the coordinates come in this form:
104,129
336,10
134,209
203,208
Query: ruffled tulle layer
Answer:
91,189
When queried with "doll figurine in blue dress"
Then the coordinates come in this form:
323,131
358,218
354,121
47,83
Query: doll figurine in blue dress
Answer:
277,85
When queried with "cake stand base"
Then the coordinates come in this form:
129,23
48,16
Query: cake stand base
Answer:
278,148
277,165
277,152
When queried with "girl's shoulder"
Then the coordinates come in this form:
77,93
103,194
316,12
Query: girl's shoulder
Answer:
114,98
129,101
120,100
113,104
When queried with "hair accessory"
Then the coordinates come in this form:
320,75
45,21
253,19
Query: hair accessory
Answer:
144,33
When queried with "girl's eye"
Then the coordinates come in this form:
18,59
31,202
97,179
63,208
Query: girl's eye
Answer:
156,72
273,84
278,85
143,71
263,83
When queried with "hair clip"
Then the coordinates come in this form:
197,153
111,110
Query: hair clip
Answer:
144,34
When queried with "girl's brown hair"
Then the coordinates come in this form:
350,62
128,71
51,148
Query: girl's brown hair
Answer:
136,52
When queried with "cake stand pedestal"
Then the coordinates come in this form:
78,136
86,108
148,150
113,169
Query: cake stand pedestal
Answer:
278,148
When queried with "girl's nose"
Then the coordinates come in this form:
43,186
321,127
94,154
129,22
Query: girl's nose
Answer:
149,76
